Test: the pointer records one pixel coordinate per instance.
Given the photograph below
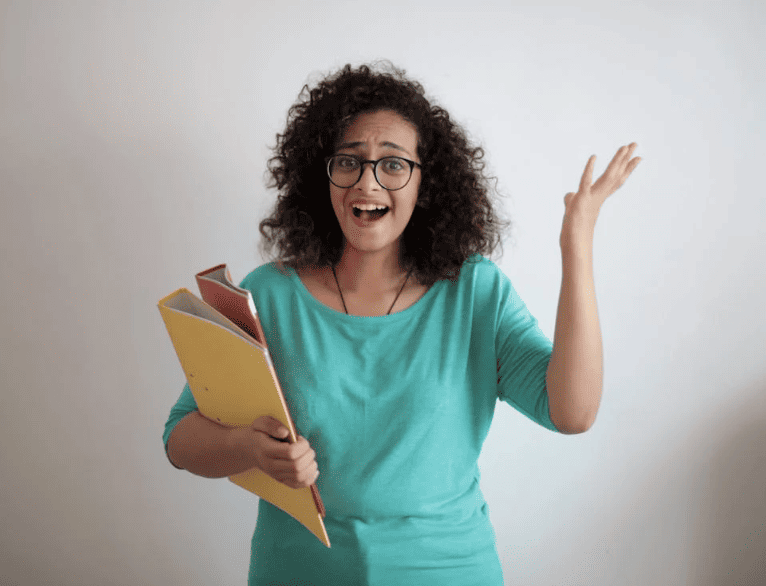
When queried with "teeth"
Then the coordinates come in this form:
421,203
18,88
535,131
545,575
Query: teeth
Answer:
369,207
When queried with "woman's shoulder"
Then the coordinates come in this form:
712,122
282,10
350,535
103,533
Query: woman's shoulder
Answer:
485,284
480,271
268,275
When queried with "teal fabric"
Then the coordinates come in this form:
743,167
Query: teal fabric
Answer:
397,408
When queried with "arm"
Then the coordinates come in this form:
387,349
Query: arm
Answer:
207,449
575,372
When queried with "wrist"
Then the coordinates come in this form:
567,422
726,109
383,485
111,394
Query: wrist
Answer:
576,246
577,229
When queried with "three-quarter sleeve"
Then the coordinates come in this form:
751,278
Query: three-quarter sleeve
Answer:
523,354
183,406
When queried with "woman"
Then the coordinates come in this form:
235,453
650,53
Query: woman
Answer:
393,337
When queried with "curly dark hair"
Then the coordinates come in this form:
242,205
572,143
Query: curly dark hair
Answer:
454,217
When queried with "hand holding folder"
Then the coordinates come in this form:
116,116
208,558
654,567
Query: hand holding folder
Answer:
223,352
268,441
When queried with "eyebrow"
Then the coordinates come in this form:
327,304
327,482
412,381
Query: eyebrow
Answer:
354,145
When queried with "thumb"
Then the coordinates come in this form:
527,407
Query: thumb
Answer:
271,426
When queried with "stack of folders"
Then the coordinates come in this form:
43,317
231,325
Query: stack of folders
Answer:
223,352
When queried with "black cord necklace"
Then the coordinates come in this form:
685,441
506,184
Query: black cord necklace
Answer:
343,301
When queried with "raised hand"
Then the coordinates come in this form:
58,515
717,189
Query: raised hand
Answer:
582,207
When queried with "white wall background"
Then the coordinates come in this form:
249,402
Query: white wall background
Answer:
133,141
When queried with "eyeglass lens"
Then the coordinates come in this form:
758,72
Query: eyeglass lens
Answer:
390,172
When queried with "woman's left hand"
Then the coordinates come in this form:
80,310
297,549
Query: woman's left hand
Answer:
582,208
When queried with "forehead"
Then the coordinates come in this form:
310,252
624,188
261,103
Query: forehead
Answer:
375,128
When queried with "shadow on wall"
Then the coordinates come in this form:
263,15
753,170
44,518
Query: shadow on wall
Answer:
730,532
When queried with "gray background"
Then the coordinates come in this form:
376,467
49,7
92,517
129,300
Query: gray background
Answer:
133,141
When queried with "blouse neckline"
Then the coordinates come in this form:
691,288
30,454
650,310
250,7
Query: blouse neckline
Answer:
406,313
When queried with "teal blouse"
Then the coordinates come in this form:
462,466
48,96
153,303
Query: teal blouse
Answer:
397,408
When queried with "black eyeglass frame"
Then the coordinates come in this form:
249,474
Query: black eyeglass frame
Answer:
363,162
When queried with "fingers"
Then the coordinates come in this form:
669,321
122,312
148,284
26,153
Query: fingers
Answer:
616,173
587,176
630,149
283,451
297,472
271,427
618,170
302,462
301,479
621,161
626,164
291,464
614,166
631,164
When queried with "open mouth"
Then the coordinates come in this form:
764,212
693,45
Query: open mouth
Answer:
370,213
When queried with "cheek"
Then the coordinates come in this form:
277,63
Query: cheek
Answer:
336,199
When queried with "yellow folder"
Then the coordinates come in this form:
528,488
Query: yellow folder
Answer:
233,381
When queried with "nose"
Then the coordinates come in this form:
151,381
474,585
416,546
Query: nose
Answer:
367,181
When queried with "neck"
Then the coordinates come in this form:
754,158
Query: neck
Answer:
369,271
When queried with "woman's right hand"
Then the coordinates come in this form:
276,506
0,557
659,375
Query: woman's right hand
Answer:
263,441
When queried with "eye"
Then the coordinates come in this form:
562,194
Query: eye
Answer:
394,165
345,163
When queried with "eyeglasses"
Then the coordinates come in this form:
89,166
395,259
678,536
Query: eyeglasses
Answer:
391,173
